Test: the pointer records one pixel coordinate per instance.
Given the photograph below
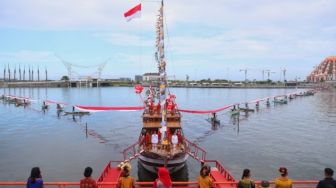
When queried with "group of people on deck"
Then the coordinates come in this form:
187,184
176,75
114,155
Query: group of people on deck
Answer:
204,179
151,139
283,180
151,108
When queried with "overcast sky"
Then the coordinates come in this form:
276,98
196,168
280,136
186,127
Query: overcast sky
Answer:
206,39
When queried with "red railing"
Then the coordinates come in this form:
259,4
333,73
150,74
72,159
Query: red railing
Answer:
296,184
195,151
131,152
106,170
226,174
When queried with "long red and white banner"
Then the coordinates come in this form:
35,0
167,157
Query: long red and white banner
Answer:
138,108
101,109
206,111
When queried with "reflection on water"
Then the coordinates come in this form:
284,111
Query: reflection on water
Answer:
298,135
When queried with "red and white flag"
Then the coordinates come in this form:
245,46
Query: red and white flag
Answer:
134,12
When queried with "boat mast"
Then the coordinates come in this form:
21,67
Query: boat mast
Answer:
160,57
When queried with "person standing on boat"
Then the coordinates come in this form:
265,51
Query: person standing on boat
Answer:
174,140
214,117
158,108
163,180
147,139
126,181
87,181
246,181
35,178
283,181
155,140
328,181
204,180
179,136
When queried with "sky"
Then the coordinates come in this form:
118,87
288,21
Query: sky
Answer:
213,39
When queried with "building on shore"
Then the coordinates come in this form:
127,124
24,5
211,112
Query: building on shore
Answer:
325,71
138,78
149,77
125,79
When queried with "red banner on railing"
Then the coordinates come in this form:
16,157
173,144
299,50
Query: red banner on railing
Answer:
102,108
205,111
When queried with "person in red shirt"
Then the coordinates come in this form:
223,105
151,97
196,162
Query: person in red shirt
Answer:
163,179
158,108
148,139
88,182
169,135
159,135
179,136
173,108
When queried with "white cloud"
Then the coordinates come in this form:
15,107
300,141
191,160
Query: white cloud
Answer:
71,15
123,39
201,33
26,56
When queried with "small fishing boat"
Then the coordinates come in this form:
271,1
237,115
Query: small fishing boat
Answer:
246,109
280,99
309,93
213,121
299,94
235,112
76,113
22,102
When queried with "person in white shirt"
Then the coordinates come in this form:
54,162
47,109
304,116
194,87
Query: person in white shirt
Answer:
174,140
155,140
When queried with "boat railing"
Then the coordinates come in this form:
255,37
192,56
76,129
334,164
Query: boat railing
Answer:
296,184
131,152
106,170
226,174
195,151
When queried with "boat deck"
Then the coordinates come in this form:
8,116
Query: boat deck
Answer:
110,175
218,177
163,150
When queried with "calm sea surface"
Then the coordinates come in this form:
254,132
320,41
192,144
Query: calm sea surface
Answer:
299,136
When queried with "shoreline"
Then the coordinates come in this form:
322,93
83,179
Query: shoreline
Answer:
78,84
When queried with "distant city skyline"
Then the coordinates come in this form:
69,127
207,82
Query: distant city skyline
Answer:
204,40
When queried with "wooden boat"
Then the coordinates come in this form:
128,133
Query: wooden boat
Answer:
246,110
22,103
165,149
76,113
164,153
308,93
280,100
213,121
235,112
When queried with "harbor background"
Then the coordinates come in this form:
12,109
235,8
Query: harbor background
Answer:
298,135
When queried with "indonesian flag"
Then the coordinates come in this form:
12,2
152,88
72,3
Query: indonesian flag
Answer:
135,12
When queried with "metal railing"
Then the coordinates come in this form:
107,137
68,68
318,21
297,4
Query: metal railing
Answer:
106,170
195,151
131,152
226,174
